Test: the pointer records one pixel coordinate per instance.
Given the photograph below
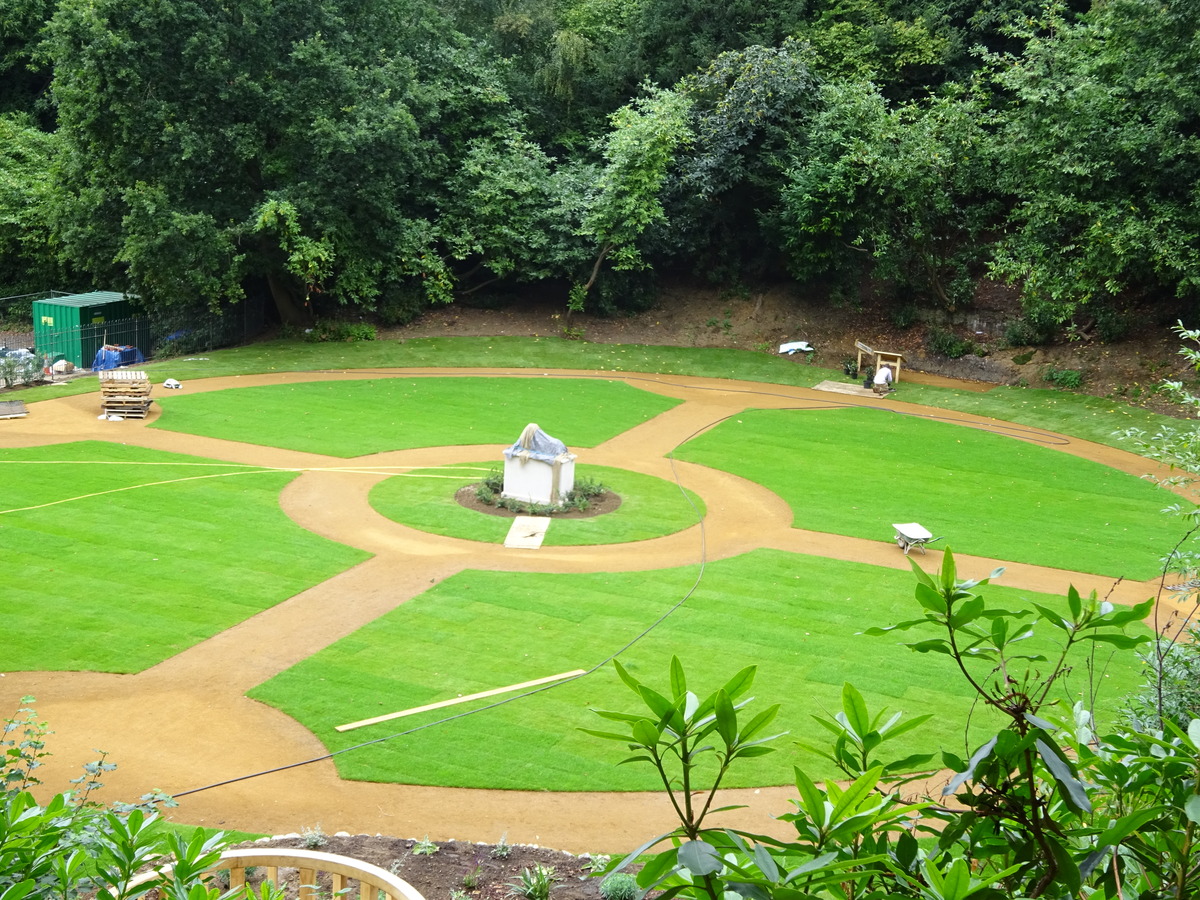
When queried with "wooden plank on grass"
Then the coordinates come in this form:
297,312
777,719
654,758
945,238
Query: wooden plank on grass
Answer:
443,703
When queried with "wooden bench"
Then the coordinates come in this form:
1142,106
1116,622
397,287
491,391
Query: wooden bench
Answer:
374,883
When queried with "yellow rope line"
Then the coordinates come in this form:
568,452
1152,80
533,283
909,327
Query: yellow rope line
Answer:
130,487
254,470
117,462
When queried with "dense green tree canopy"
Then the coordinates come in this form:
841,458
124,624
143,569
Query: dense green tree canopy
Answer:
305,143
903,191
1100,150
353,151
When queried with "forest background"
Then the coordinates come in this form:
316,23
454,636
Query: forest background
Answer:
386,155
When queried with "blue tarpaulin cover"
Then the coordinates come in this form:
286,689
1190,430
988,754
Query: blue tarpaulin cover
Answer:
108,357
536,444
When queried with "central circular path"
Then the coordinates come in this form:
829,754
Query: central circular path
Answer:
186,723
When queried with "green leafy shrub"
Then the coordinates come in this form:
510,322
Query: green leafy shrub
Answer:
1112,324
401,304
1069,379
584,491
74,847
490,488
945,343
850,367
623,293
905,316
619,886
1024,332
16,370
1172,688
1043,807
329,331
524,507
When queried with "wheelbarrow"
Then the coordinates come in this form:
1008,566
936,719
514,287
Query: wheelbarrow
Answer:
912,534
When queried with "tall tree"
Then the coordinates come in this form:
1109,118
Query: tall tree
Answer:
28,262
24,75
678,37
1101,152
512,214
748,108
303,143
902,193
638,152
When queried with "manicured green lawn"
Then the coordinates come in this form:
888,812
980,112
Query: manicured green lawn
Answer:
1092,418
184,561
356,418
650,508
856,471
798,618
116,582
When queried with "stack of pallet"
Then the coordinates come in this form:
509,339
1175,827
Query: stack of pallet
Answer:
125,393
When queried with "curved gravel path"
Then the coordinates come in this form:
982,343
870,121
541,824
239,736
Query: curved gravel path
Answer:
186,723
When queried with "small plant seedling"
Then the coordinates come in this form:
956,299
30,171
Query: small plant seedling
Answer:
471,879
596,863
314,837
503,849
619,886
535,883
424,847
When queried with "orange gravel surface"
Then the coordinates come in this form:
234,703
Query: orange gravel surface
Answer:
186,724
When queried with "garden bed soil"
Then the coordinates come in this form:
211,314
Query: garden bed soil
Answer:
478,871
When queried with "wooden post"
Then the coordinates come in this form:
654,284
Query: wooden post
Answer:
863,348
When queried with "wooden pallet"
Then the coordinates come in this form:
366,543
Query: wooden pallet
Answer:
125,393
12,409
127,412
125,389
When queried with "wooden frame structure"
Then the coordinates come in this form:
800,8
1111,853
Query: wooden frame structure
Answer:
880,358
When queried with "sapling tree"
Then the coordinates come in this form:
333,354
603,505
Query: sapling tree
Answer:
1021,787
1178,448
692,743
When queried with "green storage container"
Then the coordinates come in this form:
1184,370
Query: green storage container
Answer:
76,326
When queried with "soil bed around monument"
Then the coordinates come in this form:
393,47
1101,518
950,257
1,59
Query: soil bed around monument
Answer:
597,506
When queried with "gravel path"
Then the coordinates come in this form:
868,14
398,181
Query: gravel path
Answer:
186,722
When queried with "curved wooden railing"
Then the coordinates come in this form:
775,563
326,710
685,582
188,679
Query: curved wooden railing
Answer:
374,883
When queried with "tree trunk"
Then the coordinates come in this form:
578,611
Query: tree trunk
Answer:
574,306
291,310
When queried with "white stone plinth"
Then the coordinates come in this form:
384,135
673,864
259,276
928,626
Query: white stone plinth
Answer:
534,481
